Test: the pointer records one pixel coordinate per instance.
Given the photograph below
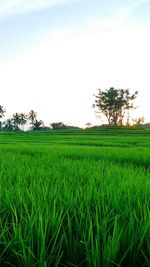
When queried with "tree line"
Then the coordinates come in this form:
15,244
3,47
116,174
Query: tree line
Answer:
114,104
20,120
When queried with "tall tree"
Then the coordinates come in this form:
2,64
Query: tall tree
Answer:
114,103
16,120
2,112
19,119
32,116
23,119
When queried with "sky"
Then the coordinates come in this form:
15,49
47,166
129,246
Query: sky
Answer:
55,54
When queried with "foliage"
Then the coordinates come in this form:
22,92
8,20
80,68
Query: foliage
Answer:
37,124
57,125
23,119
88,125
139,121
2,112
146,125
19,119
114,103
32,116
75,199
8,125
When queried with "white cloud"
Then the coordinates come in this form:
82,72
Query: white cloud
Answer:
9,7
118,20
126,11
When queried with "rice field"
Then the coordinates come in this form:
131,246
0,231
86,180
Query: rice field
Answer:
75,198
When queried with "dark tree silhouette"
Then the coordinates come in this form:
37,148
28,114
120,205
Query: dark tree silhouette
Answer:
19,119
16,120
23,119
8,125
57,125
37,125
32,116
2,112
114,103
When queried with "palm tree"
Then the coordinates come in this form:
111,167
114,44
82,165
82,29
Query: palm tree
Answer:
37,125
32,116
16,120
2,112
23,119
19,119
9,125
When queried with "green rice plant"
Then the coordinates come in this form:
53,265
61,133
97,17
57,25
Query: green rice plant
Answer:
75,199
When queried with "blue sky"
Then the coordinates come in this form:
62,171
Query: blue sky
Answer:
22,29
60,51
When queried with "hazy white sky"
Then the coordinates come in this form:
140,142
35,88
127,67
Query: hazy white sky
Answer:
55,54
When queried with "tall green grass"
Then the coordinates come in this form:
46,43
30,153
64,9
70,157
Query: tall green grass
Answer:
66,203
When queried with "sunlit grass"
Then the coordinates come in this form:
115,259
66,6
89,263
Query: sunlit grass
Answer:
68,204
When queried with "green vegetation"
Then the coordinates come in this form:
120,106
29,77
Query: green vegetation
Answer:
75,198
112,103
115,104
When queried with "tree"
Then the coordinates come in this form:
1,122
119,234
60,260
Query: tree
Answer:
88,125
16,120
37,125
8,125
19,119
32,116
58,125
138,121
114,103
23,119
2,112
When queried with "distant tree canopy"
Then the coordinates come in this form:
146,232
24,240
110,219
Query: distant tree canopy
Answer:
37,125
57,125
138,121
114,104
